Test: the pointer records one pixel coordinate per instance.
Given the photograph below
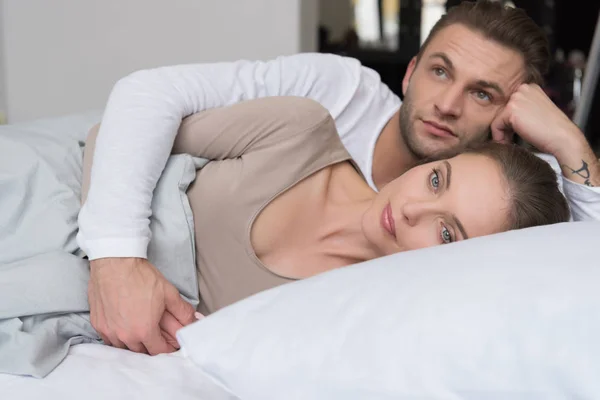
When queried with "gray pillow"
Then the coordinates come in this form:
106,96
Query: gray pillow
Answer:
43,275
172,248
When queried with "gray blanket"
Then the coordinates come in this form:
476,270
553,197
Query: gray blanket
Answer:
43,273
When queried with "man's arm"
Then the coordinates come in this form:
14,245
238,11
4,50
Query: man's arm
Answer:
143,115
580,165
581,182
581,177
131,303
534,117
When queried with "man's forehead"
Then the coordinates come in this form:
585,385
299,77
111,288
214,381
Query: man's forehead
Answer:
470,52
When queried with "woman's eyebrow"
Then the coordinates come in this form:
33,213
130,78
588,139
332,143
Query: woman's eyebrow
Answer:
448,174
460,226
455,220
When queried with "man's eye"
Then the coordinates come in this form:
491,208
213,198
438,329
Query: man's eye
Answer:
439,71
446,235
481,95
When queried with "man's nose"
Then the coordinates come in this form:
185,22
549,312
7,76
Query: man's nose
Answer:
449,103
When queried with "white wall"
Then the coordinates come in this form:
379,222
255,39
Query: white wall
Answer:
2,77
309,24
63,56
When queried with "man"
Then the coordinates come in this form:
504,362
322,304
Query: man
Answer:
477,76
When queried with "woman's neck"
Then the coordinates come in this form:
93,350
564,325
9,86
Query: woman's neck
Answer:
340,233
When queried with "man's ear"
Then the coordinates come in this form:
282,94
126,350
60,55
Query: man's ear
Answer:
409,71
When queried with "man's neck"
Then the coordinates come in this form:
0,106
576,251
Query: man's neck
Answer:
391,158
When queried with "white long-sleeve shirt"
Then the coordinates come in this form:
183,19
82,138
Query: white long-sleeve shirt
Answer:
145,110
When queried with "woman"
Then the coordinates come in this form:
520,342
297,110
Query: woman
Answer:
285,201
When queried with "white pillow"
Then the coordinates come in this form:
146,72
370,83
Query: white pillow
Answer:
508,316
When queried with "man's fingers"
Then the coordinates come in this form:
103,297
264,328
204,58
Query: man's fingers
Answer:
127,302
508,137
105,339
170,325
116,342
156,343
170,339
98,320
137,347
501,129
179,308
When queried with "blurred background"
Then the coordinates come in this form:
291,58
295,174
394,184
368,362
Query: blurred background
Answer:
63,56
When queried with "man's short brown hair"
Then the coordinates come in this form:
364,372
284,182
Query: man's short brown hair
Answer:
510,27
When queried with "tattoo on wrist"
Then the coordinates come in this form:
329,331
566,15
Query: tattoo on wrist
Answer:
583,172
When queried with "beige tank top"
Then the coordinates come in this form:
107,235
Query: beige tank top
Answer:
261,148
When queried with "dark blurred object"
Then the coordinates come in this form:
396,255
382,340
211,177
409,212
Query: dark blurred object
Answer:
575,21
545,14
410,26
587,109
349,42
390,63
564,80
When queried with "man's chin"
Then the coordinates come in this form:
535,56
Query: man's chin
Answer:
434,148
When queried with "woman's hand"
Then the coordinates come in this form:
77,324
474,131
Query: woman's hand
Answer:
133,306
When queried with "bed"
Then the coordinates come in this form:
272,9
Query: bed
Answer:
98,372
514,315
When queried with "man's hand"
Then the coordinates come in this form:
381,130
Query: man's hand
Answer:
133,306
532,115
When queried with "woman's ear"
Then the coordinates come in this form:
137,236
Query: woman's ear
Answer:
407,75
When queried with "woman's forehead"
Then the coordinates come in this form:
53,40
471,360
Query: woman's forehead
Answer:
479,194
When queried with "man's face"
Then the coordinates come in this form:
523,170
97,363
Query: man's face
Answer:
453,93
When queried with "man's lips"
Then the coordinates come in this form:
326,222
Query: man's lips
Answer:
438,129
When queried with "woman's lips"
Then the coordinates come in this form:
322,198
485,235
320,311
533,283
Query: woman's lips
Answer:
387,220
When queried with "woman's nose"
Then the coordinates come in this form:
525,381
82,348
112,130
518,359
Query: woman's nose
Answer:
414,211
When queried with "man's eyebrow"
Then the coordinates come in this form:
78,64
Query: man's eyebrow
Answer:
490,85
481,83
444,58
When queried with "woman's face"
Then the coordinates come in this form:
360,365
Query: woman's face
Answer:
437,203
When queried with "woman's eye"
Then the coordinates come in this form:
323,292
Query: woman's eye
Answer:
446,235
434,179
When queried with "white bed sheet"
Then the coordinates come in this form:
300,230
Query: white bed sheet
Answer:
96,372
